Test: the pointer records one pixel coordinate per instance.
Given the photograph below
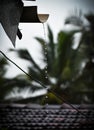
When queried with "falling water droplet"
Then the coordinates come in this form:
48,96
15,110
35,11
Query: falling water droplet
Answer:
46,97
46,71
45,53
45,48
46,77
46,100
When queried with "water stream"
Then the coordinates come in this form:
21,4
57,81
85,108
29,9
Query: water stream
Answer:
46,59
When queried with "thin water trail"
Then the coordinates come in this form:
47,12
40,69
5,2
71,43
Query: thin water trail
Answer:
45,52
46,58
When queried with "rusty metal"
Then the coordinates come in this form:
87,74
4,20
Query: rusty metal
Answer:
30,15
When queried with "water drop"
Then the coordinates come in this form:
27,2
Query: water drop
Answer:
45,48
45,53
46,97
46,71
46,77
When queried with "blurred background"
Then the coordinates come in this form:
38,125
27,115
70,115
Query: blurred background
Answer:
58,57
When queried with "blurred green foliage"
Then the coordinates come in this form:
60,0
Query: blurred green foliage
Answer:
66,74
